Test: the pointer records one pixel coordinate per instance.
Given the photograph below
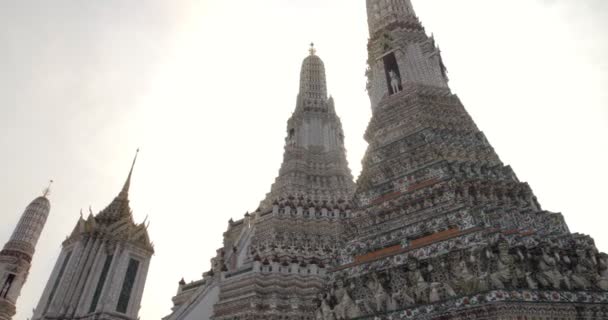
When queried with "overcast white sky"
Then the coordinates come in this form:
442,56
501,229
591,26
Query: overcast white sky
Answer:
204,88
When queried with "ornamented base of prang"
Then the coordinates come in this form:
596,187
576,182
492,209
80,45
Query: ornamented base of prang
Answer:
7,310
504,304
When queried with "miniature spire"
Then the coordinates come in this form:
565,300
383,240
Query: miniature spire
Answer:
125,189
312,49
47,190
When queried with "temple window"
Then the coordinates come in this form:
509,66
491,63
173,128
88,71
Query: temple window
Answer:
127,286
7,285
101,282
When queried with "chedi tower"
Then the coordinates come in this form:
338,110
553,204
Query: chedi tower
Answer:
16,256
442,228
273,262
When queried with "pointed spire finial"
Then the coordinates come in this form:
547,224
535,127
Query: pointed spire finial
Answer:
312,49
47,190
125,189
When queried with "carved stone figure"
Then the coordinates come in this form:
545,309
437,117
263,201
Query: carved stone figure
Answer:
381,297
603,278
395,81
434,292
582,271
463,279
420,287
504,267
549,275
532,284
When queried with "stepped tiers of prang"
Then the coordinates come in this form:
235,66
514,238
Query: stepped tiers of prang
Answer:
442,229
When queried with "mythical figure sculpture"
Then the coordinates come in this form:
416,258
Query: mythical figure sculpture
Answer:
504,267
463,279
583,269
548,275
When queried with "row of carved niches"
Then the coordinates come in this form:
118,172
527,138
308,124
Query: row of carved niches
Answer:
302,182
431,158
568,263
295,202
404,123
303,244
410,29
375,237
402,38
414,98
435,137
434,185
409,107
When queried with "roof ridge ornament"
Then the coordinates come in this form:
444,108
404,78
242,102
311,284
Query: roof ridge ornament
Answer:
312,49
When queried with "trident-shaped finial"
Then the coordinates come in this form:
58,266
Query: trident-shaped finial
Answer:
312,49
47,190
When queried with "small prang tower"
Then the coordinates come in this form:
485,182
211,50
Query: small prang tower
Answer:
102,267
16,256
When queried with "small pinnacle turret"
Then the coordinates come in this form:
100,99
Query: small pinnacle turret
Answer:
17,254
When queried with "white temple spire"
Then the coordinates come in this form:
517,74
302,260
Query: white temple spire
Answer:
124,193
16,256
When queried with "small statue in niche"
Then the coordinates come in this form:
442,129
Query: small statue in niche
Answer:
395,81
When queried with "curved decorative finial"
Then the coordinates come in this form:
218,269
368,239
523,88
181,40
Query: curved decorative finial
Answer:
312,49
47,190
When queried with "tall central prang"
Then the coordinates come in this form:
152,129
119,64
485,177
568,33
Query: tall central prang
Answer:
442,229
274,261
